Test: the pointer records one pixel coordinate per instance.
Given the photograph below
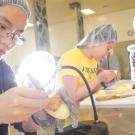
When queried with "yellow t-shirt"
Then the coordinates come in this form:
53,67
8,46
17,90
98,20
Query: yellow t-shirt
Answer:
76,58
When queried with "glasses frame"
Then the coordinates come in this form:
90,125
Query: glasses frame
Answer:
6,32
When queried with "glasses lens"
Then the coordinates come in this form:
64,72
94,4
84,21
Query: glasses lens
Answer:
19,40
6,32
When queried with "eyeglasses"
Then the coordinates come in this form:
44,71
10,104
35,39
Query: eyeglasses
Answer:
6,32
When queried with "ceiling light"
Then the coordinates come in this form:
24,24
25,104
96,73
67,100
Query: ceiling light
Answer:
87,11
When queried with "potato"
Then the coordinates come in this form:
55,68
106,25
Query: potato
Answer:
123,89
61,113
101,93
128,86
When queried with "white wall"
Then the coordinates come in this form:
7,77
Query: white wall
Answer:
122,21
63,36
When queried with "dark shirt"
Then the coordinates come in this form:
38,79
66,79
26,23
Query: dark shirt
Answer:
7,81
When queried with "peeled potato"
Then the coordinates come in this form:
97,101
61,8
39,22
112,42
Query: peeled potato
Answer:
101,93
61,113
123,89
128,86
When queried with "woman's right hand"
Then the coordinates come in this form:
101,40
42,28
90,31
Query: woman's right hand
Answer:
106,75
18,104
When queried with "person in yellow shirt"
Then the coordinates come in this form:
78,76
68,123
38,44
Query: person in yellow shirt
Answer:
84,57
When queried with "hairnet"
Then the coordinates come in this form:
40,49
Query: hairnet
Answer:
23,4
101,34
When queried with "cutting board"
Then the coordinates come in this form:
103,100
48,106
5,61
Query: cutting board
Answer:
110,95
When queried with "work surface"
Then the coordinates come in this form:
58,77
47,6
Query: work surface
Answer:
119,114
128,102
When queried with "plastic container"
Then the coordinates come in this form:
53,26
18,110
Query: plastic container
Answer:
131,50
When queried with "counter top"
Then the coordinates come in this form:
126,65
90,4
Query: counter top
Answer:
128,102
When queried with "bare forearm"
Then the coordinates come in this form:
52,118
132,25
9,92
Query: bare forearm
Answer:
71,83
82,92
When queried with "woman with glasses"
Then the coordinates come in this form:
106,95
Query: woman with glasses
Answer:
16,104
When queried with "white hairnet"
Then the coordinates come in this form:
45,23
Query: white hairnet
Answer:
101,34
23,4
